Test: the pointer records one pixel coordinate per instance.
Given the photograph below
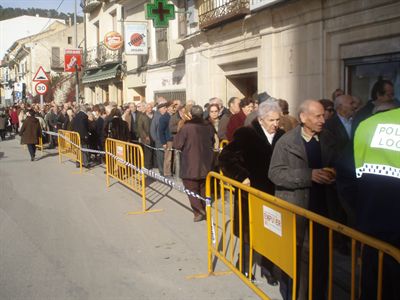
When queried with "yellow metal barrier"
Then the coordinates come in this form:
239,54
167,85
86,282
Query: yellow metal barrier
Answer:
223,143
40,145
69,145
273,232
118,153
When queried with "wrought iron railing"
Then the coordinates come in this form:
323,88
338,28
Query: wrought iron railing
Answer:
90,5
101,55
214,12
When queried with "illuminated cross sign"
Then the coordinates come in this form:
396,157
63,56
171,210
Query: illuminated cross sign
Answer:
160,12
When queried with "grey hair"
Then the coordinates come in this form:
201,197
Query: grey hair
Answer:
217,101
83,108
267,106
339,101
305,107
196,112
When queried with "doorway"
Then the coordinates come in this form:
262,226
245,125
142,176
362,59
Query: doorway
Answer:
245,83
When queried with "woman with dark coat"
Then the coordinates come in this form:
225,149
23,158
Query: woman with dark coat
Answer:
30,133
246,159
115,127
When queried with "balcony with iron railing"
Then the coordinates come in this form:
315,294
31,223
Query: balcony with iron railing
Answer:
100,55
90,5
215,12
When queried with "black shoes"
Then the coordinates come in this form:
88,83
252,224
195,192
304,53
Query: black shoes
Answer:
270,279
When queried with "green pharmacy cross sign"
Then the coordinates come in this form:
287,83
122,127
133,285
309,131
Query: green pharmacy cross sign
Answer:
160,12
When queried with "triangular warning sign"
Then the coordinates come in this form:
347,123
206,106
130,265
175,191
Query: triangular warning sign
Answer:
40,75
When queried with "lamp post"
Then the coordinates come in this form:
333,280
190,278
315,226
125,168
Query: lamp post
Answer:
76,67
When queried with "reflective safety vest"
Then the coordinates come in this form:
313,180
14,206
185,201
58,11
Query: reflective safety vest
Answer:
377,145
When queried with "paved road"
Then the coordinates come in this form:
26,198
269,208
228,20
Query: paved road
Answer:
65,235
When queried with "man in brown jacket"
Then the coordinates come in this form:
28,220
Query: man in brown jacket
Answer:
30,133
195,140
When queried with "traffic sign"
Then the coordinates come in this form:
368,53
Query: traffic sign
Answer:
41,75
160,12
41,88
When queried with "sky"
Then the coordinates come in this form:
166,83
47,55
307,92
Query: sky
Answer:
67,6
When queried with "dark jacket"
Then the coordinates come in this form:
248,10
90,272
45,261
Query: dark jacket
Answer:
67,125
30,131
155,122
100,132
143,124
80,124
196,141
248,156
236,121
173,123
116,128
163,129
364,113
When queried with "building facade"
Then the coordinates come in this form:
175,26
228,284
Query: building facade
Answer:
293,49
123,77
46,50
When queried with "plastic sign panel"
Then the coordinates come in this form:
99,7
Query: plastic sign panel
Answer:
41,75
41,88
72,58
136,39
161,12
113,40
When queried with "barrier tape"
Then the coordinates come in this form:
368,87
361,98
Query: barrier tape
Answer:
145,171
135,141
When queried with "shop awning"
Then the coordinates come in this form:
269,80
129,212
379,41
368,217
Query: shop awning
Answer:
101,74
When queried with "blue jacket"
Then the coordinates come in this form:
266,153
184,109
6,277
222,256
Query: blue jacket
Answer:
163,129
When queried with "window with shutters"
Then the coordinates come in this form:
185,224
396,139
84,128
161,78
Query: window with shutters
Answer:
171,95
55,57
162,44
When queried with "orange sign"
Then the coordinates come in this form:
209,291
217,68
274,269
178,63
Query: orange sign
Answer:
113,40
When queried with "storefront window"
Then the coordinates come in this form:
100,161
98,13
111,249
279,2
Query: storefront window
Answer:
362,73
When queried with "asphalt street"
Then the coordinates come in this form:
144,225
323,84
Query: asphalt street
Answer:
65,235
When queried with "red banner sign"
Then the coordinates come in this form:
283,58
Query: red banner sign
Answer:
72,58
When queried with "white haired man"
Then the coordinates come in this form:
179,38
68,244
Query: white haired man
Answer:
299,171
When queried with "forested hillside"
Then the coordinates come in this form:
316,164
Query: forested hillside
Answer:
9,12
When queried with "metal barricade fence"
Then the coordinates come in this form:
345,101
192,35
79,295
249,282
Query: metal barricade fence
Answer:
40,145
273,228
223,143
69,145
119,155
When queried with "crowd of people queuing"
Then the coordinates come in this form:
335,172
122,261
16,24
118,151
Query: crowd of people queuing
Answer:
306,159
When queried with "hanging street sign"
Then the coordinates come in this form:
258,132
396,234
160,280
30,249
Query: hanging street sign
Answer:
113,40
160,12
72,58
41,88
136,39
41,75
